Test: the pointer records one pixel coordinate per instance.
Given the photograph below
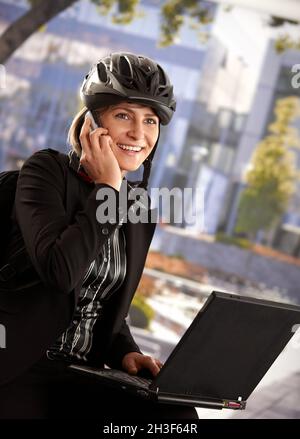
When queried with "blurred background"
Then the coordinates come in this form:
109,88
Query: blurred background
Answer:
235,67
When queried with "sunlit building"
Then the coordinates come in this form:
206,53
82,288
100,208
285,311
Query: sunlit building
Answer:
275,82
217,123
44,75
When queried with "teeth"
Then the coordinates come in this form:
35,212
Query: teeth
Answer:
130,148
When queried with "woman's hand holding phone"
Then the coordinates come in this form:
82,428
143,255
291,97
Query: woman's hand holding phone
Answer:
97,157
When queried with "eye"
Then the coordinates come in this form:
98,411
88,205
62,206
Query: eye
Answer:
151,121
122,115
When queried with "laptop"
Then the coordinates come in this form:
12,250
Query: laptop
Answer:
220,359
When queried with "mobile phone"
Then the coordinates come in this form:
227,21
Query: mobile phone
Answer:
94,125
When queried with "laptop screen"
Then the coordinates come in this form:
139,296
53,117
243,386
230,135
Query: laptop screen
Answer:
229,347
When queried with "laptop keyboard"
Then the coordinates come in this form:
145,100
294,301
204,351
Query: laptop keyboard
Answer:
125,377
116,375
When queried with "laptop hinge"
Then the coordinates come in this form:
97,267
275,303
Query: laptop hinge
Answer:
186,400
218,404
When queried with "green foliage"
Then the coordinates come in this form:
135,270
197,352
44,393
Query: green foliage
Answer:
233,240
103,6
174,13
140,312
272,176
286,42
126,9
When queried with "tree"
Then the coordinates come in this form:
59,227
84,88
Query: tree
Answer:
272,177
141,313
18,32
284,42
42,11
174,13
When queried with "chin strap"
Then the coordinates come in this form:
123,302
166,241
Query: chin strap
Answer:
146,174
148,165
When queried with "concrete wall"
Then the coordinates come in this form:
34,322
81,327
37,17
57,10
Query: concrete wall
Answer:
233,260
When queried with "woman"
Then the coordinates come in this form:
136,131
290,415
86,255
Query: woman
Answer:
80,274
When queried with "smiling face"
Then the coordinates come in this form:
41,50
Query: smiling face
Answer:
134,130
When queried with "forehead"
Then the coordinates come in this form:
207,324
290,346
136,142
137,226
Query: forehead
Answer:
133,107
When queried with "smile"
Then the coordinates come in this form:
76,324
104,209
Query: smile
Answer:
130,148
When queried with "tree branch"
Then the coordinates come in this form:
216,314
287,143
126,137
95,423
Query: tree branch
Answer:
18,32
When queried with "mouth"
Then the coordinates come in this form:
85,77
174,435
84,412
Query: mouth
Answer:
130,149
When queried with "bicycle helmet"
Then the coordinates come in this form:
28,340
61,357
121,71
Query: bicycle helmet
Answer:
124,76
134,78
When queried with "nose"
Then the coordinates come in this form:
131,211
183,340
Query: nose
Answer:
136,130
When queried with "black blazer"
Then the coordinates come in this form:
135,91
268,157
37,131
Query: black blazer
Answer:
55,216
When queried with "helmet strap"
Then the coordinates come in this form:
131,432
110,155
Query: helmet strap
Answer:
147,170
148,164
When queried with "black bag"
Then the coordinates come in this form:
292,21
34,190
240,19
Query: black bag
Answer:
19,262
8,183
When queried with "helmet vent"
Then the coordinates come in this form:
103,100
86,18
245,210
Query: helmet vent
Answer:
162,77
125,66
102,72
163,91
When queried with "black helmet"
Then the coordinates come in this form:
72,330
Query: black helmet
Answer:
134,78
